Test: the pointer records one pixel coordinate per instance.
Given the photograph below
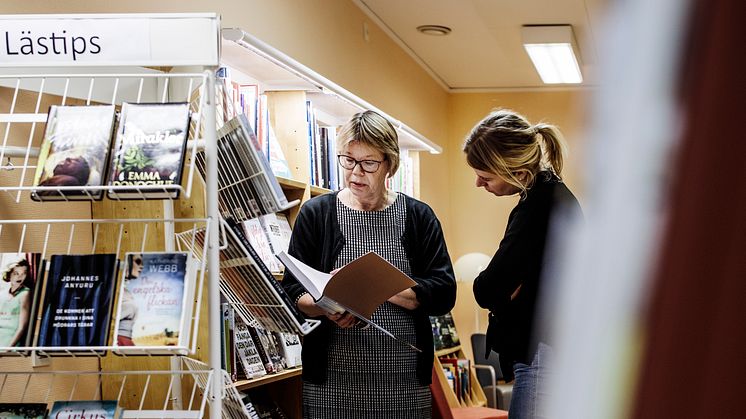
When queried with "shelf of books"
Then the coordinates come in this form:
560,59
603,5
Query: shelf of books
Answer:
124,295
454,370
274,91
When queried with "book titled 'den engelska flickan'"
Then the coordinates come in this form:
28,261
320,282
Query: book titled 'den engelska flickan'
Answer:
155,301
149,150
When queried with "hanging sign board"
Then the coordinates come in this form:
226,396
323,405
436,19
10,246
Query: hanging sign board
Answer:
109,39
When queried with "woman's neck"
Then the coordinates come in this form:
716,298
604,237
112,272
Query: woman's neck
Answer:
373,203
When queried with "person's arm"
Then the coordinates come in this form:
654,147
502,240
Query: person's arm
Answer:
406,299
435,292
501,281
23,319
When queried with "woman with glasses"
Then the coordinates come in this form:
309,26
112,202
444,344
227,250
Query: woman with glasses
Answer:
510,156
351,371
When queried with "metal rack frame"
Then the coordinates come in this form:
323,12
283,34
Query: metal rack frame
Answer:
129,87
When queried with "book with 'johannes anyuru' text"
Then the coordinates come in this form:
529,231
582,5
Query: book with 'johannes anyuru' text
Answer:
78,297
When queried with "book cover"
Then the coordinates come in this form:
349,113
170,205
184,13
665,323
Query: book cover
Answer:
19,292
359,287
153,308
278,240
73,152
78,297
285,230
260,241
247,351
23,410
86,409
261,348
290,347
149,149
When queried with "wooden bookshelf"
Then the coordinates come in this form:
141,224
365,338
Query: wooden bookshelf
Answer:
475,397
267,379
316,191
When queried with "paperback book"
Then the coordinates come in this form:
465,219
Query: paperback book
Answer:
78,297
260,241
247,351
154,304
73,152
23,410
88,409
290,347
19,292
359,287
149,150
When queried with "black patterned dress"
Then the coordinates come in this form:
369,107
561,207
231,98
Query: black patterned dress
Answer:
369,374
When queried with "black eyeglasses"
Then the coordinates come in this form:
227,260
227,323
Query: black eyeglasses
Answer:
368,166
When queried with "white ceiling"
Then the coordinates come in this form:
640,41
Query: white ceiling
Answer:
484,50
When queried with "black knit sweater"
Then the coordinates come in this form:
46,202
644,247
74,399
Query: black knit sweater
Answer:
519,261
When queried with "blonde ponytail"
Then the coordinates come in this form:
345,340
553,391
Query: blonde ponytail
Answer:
506,144
554,147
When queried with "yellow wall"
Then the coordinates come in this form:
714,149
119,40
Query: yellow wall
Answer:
478,218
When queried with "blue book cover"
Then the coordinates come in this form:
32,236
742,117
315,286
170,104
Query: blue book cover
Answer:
154,305
78,300
88,409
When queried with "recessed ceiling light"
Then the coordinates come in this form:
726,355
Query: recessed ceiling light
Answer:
434,30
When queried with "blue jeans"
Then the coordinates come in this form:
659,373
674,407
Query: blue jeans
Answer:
531,385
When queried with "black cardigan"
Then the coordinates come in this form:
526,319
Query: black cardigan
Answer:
317,241
519,260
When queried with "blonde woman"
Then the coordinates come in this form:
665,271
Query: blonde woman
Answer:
510,156
353,372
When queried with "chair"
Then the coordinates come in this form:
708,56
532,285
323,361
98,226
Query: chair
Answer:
489,374
441,409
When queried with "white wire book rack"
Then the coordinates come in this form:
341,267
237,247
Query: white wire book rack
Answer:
247,284
140,393
137,58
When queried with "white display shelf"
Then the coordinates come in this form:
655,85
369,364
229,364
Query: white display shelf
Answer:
140,393
29,116
122,235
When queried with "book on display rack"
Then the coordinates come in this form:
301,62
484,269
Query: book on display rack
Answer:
78,296
73,152
149,150
19,293
155,301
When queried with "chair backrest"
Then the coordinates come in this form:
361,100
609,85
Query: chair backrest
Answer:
478,344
